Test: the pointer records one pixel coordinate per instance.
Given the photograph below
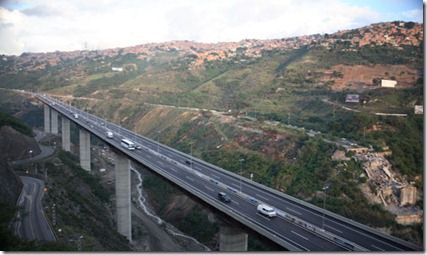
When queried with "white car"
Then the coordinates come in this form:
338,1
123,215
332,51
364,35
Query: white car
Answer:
266,210
110,134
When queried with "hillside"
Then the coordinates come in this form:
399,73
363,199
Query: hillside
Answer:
251,99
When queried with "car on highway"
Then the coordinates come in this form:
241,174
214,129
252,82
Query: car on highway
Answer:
138,147
266,210
110,134
224,197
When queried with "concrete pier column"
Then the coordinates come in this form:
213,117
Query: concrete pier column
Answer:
54,116
123,199
232,239
65,134
84,149
46,118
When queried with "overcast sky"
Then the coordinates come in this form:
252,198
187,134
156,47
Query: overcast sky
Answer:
66,25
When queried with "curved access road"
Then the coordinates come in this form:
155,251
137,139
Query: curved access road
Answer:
31,223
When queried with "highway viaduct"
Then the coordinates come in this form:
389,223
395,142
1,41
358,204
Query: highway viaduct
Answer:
293,232
231,238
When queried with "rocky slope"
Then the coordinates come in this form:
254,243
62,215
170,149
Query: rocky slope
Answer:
13,146
16,146
10,184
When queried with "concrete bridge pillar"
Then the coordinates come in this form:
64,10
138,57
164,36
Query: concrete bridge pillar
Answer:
65,134
123,199
84,149
232,238
54,116
46,118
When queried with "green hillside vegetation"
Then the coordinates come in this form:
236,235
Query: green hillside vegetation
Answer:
18,125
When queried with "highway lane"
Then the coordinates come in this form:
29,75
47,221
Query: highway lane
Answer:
309,213
32,223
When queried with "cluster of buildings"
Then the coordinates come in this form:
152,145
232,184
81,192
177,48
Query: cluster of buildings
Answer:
396,34
390,189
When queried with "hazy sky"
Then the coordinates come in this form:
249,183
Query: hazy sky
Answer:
66,25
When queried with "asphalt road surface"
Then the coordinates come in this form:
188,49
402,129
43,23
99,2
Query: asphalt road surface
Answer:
31,222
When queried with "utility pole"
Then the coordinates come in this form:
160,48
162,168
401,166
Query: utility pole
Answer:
191,154
241,173
325,188
53,215
79,243
158,141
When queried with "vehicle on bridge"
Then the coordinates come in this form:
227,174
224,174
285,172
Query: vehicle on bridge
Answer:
224,197
110,134
128,144
266,210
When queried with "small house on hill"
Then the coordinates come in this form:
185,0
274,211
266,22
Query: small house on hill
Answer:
352,98
388,83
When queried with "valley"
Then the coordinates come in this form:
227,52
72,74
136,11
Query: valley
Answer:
281,105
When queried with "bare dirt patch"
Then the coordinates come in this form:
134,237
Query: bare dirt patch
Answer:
360,77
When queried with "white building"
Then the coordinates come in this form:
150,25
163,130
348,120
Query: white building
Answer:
352,98
117,69
388,83
419,109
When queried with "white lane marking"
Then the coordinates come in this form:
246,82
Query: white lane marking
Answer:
209,188
373,238
173,169
148,156
261,197
283,236
299,235
188,177
160,162
377,247
265,217
351,228
215,176
289,209
333,228
236,185
235,202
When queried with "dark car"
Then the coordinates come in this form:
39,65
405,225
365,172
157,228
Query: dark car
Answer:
188,162
224,197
